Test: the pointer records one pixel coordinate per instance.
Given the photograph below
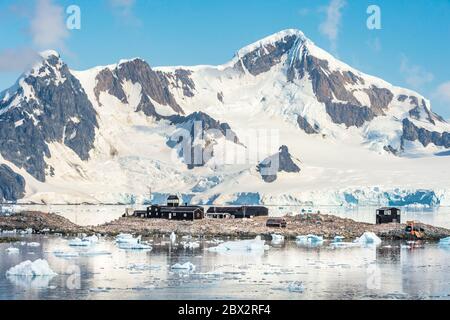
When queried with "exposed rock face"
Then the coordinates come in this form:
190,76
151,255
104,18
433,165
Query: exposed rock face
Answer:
12,185
330,89
349,114
181,79
108,82
147,107
220,96
58,110
199,138
412,133
154,84
305,126
264,58
280,162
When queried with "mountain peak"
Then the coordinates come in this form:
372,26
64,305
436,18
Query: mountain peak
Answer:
273,39
47,54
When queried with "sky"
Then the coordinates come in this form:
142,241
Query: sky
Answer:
409,46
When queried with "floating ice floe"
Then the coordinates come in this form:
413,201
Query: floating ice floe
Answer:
444,242
190,245
12,250
368,238
186,266
296,286
83,242
338,239
127,238
33,244
38,268
309,239
243,245
173,237
277,238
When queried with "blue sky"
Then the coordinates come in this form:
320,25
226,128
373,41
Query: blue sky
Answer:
411,49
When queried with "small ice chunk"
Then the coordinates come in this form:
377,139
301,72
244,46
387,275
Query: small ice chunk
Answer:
77,242
33,244
9,231
311,238
92,239
27,231
368,238
190,245
338,239
243,245
12,250
38,268
93,253
296,286
186,266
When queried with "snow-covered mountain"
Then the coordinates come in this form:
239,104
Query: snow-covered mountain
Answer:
109,134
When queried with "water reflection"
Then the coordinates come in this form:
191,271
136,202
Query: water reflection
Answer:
387,271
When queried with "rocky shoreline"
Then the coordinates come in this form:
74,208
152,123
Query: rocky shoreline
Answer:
327,226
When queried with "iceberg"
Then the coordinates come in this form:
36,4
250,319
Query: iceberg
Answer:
186,266
243,245
277,238
38,268
368,238
444,242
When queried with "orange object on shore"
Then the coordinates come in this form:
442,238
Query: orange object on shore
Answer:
415,229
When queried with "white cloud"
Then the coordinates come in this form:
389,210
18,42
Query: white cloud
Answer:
414,75
442,92
330,26
47,26
18,59
124,8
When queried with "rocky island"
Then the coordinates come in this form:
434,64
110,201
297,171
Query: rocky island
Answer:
325,225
